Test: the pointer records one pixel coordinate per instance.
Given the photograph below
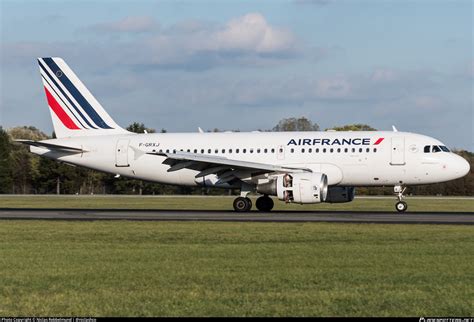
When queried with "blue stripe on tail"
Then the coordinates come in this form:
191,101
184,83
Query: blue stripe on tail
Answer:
76,94
65,95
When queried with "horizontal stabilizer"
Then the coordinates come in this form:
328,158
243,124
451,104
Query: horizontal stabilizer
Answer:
52,146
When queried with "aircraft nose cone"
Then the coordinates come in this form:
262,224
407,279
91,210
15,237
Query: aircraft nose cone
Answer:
462,167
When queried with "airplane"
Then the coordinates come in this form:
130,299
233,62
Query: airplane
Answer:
295,167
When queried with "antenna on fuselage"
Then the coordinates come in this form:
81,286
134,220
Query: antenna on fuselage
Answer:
200,130
394,128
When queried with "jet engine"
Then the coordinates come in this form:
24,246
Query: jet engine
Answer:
297,187
340,194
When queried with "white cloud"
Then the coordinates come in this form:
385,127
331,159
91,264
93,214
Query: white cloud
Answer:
253,33
249,40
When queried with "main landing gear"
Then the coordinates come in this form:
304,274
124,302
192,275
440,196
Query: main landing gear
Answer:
244,204
401,205
264,203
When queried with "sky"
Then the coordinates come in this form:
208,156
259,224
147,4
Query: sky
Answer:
245,65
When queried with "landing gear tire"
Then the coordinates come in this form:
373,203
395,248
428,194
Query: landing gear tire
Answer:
401,206
264,203
242,204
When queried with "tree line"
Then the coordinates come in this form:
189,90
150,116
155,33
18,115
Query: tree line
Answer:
22,172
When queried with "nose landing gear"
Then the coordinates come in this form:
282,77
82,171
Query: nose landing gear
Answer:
401,205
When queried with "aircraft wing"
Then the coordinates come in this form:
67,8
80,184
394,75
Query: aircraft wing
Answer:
52,146
224,167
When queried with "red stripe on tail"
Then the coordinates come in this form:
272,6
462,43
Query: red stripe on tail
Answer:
378,141
58,110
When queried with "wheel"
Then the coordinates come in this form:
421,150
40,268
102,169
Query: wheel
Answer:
242,204
401,206
264,203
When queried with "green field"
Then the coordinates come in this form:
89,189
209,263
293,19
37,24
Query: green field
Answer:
224,203
125,268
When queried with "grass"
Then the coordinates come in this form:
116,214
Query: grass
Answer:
127,268
224,203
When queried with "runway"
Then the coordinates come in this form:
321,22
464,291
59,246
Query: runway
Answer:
460,218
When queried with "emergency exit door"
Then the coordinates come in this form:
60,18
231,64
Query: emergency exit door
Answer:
121,153
398,151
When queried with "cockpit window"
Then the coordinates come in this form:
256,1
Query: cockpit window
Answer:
436,148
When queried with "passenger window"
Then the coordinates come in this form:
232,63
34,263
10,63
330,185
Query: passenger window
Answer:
338,150
258,150
209,151
367,150
174,151
273,150
251,151
331,150
195,151
292,150
317,150
202,150
360,150
216,151
353,150
244,151
346,150
375,149
188,151
167,151
436,148
310,150
237,150
427,148
265,150
324,150
230,150
223,150
302,150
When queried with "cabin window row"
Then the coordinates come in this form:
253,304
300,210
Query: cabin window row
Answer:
292,150
332,150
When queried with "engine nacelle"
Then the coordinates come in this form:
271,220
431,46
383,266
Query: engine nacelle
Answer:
340,194
297,187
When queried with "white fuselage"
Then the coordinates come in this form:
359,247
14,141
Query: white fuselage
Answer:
372,158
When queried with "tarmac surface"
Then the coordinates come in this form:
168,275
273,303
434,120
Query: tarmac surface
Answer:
461,218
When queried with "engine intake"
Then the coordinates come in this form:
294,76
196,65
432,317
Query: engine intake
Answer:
297,187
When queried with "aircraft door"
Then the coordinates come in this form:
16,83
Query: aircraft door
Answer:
398,151
121,153
280,152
